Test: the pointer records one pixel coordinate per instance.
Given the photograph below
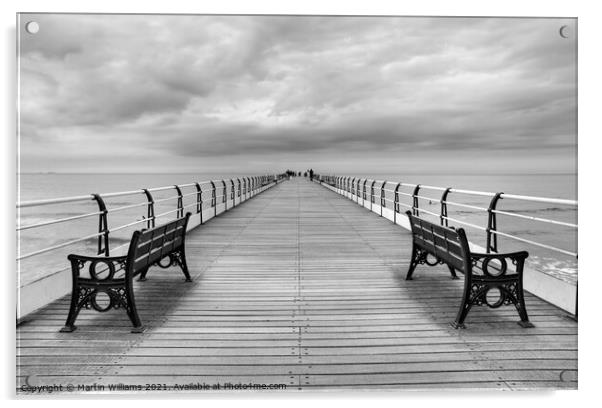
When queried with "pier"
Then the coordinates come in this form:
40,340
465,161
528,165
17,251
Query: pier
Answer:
300,287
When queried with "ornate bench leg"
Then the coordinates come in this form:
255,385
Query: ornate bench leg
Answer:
73,312
453,272
415,260
180,258
465,306
522,309
131,310
142,277
462,313
79,297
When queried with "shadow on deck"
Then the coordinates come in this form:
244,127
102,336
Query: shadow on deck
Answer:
301,287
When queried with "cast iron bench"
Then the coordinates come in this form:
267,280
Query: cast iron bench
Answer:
483,273
114,275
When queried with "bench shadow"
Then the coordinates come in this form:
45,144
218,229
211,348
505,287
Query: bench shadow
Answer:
156,298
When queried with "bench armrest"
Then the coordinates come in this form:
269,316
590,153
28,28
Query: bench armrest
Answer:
101,267
519,255
84,258
496,265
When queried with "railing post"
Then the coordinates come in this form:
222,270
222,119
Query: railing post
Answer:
225,195
383,203
232,193
357,191
396,203
244,188
103,226
150,210
372,194
415,201
214,198
352,188
364,193
492,224
199,201
180,212
443,216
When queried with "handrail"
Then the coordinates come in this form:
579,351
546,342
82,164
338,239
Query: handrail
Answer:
59,220
351,187
103,212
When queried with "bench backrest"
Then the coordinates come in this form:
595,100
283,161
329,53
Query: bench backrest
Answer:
151,245
447,244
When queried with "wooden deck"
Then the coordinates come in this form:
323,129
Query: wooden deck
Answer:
299,286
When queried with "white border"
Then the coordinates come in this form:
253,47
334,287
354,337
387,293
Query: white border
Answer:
590,70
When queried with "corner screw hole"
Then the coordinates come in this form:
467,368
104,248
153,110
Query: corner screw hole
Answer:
32,27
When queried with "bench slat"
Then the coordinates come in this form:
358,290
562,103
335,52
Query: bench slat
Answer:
157,243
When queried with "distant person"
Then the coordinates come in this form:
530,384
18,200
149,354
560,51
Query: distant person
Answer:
305,174
311,174
299,174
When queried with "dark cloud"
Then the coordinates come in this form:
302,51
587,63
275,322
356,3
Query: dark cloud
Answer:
316,88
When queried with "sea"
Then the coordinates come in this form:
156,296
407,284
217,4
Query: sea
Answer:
54,185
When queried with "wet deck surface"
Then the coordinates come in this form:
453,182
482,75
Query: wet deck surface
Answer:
300,286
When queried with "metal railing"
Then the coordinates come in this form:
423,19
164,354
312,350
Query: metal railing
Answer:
366,190
235,190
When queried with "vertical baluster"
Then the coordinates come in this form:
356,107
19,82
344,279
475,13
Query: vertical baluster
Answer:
180,212
443,216
383,202
492,224
225,195
150,209
372,194
214,198
364,193
103,226
415,200
199,201
396,203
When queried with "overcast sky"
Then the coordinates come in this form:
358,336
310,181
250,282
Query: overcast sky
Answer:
339,94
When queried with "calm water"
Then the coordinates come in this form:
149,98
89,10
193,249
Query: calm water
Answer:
43,186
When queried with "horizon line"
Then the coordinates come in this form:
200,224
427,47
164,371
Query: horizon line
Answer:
335,173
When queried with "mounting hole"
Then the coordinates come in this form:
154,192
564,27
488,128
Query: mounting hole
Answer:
431,260
494,297
104,272
32,27
494,267
101,301
565,31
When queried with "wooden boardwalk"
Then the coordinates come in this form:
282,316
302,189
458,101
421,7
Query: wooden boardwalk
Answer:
301,287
